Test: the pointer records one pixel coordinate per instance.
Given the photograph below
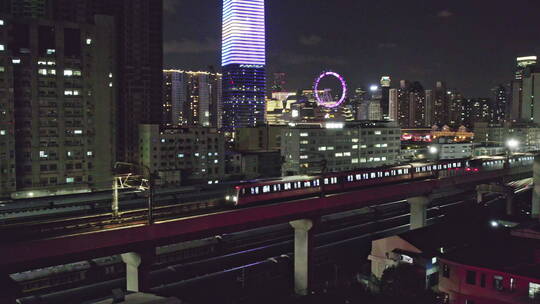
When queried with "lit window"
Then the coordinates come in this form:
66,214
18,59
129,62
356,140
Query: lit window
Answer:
110,75
42,71
2,47
355,147
163,140
347,154
16,60
304,142
68,92
355,140
70,180
68,72
181,155
434,260
51,51
303,156
1,22
2,132
88,41
89,153
339,154
2,69
216,161
197,154
69,153
77,73
78,132
322,148
534,290
304,134
52,72
378,132
354,161
51,63
42,154
110,84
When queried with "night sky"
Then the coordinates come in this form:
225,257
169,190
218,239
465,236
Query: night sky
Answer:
470,44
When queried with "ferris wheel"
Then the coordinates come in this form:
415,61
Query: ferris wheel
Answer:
325,99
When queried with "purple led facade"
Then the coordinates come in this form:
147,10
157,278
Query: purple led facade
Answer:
327,103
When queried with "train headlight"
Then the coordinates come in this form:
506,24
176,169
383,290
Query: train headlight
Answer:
228,197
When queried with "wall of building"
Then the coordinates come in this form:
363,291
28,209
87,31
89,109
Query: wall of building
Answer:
183,155
312,149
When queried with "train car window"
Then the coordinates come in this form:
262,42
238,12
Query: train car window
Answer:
334,180
393,172
326,181
387,173
417,170
316,183
307,184
350,178
379,174
406,171
243,191
287,186
400,171
254,190
365,176
358,177
266,189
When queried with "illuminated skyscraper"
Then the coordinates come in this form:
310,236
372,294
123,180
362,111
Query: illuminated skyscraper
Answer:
243,62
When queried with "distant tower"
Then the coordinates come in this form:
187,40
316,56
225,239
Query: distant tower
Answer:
279,82
522,64
386,82
441,107
500,104
243,61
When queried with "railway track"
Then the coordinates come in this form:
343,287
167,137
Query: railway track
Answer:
48,228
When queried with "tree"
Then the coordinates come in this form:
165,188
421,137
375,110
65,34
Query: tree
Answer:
405,284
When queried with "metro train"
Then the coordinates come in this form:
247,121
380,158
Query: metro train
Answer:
248,193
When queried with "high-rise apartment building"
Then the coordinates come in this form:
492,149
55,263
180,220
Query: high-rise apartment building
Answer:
279,82
429,118
500,104
60,103
520,99
441,107
192,98
243,62
393,105
139,53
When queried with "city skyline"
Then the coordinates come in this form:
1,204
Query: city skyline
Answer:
363,47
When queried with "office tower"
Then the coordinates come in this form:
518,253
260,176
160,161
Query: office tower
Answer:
403,103
243,62
500,104
386,82
393,104
63,100
279,82
7,119
517,106
191,98
441,106
429,118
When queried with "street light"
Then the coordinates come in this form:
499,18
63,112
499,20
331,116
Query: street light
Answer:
512,143
433,150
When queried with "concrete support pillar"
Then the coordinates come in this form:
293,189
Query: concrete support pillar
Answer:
303,244
479,197
138,270
510,208
535,212
418,211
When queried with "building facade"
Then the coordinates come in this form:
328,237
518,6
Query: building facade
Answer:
525,69
63,98
192,99
183,155
243,63
335,147
528,135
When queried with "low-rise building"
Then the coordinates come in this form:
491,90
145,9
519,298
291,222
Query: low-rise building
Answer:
260,164
183,155
265,137
447,148
504,271
337,146
527,134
